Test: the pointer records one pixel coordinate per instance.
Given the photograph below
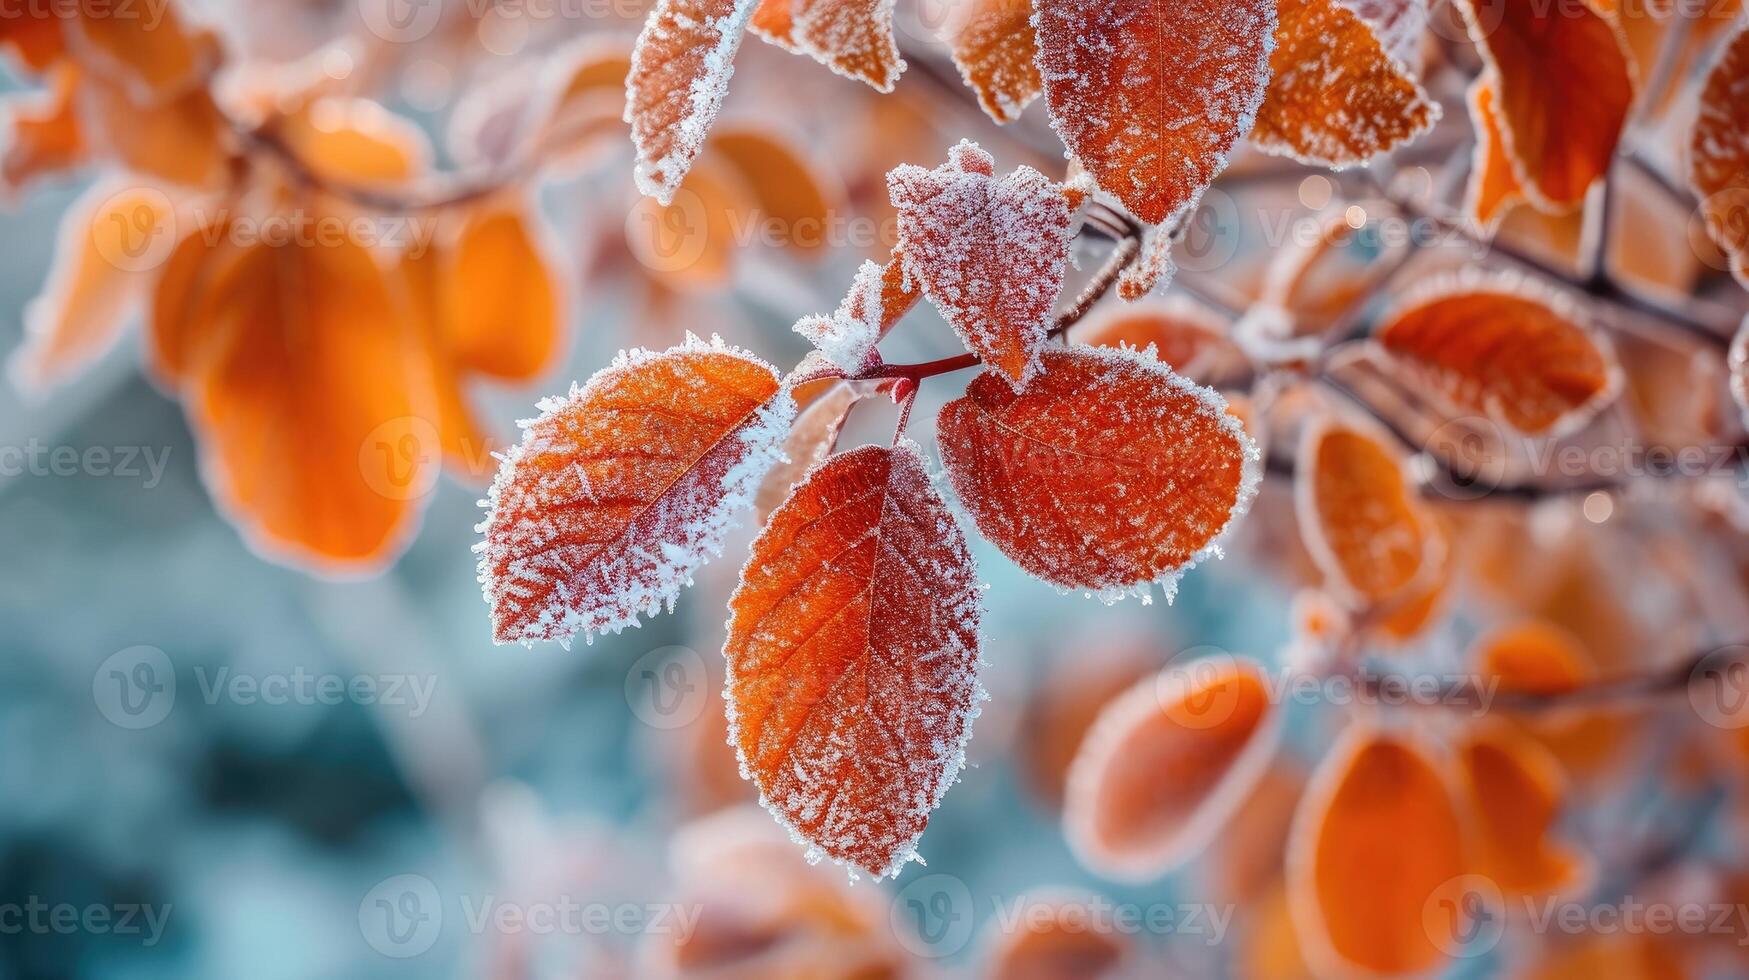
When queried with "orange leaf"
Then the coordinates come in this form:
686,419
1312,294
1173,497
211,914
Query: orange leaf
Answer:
1563,87
306,400
1493,188
1151,97
32,33
176,343
185,140
1516,792
1338,98
1188,338
793,198
1375,844
1358,514
1400,24
623,489
1063,934
499,295
588,100
994,47
354,140
852,652
852,37
680,72
1719,153
467,448
156,58
109,243
1167,764
46,134
1495,346
1108,473
990,252
1533,657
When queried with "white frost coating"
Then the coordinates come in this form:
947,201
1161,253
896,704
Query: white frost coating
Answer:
1511,283
1215,408
832,31
646,578
946,761
660,177
991,252
848,337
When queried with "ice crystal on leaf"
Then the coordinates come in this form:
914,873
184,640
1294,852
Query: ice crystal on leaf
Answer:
1338,98
989,251
878,297
1358,514
622,490
1110,472
1151,97
852,37
994,47
680,72
852,658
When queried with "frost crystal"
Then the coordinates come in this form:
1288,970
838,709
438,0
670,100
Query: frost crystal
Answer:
852,658
1152,97
990,251
622,490
848,337
854,38
680,73
1109,473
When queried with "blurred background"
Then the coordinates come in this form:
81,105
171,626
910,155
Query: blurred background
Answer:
215,765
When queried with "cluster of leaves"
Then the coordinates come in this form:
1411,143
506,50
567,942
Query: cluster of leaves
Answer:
1101,466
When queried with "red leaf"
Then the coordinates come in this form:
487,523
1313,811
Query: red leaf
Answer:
852,653
1108,473
993,46
1719,153
990,251
1151,97
852,37
625,488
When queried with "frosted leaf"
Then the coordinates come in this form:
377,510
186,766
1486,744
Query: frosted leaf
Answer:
1505,347
624,488
1492,189
1152,97
852,658
1189,338
990,251
1337,98
1107,474
852,37
1739,366
993,46
1167,763
1719,154
680,73
1399,24
1153,270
